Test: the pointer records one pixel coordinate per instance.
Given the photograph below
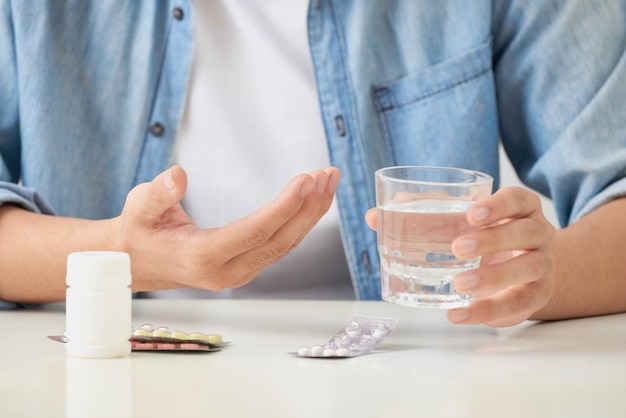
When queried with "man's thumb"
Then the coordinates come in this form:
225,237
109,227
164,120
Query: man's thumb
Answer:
148,201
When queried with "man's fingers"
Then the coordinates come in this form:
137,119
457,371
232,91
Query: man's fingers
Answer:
519,234
291,233
371,218
509,307
489,279
256,229
506,203
328,193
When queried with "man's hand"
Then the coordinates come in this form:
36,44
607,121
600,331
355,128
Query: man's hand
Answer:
517,271
168,251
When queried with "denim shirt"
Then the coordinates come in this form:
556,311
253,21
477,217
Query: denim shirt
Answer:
92,93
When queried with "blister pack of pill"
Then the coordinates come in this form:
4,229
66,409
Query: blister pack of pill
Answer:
149,338
359,336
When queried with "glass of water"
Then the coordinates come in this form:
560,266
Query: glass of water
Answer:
421,210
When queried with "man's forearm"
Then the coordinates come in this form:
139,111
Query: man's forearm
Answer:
590,266
34,249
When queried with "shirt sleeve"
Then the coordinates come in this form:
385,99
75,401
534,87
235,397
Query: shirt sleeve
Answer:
560,71
24,197
10,145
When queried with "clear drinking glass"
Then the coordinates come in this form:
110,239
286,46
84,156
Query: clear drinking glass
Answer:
421,210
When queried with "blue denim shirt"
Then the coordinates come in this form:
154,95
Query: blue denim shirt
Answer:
92,92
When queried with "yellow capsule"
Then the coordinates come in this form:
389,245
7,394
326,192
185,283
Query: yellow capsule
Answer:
213,339
179,335
142,333
162,332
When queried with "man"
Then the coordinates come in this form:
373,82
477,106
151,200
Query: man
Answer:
93,96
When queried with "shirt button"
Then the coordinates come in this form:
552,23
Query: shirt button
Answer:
157,129
365,259
178,13
341,126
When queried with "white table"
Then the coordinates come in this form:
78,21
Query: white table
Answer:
426,366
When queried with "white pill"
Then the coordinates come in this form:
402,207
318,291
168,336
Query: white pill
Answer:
379,332
316,350
343,339
329,352
368,341
343,352
354,328
304,352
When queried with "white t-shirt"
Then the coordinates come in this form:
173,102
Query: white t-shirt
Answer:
251,123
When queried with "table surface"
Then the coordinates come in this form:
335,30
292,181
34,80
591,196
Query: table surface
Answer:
425,367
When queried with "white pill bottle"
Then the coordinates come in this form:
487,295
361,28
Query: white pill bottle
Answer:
98,304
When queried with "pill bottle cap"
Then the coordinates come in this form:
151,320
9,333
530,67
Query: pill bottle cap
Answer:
98,270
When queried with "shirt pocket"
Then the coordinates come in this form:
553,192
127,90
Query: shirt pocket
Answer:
444,114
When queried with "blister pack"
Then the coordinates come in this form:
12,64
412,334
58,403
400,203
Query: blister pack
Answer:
358,336
149,338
